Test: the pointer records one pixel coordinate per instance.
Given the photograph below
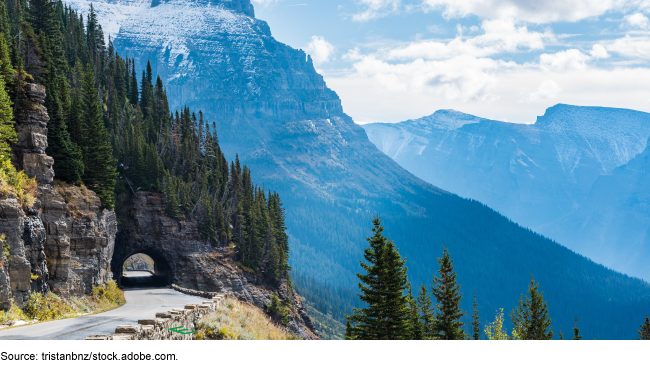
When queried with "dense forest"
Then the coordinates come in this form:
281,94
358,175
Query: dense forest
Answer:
116,135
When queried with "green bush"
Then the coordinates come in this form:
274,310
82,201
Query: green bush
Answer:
13,314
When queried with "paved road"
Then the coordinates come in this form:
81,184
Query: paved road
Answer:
140,303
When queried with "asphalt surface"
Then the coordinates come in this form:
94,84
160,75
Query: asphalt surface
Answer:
141,303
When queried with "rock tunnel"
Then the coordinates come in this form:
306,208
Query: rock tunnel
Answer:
159,275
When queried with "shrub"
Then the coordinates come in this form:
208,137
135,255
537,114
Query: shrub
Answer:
5,247
13,314
18,183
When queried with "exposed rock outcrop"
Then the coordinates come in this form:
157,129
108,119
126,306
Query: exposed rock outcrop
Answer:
183,257
65,242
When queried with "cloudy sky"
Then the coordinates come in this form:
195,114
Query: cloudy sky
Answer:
392,60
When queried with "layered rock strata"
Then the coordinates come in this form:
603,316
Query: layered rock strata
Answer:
64,243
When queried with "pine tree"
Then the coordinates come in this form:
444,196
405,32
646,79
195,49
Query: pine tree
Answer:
476,324
530,318
99,169
382,289
348,331
426,312
644,332
415,324
447,324
576,330
7,131
560,334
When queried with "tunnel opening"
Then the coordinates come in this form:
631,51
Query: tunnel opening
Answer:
144,270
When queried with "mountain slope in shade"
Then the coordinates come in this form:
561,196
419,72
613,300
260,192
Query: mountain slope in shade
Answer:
272,108
612,225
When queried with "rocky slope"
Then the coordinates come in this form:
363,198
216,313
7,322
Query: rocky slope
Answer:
533,174
64,243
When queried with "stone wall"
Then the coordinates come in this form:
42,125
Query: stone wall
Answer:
159,327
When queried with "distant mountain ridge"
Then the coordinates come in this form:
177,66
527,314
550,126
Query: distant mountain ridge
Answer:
272,107
534,174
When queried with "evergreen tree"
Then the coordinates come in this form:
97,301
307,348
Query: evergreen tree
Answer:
576,330
426,312
560,334
447,323
7,131
382,289
415,324
99,169
530,318
476,324
348,331
644,332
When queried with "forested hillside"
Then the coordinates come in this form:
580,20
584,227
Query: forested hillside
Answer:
116,135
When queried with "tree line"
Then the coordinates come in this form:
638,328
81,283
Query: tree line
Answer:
392,312
116,135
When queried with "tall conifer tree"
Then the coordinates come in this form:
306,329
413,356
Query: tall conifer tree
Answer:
447,324
415,323
425,306
382,289
99,169
476,324
530,318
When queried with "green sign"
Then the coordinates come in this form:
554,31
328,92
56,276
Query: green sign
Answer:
181,330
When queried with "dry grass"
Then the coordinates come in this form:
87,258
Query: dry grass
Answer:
68,192
235,320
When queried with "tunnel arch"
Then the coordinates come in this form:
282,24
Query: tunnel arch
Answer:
162,270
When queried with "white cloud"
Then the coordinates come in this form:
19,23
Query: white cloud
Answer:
598,51
376,9
320,50
547,90
569,60
499,36
632,47
637,20
462,77
534,11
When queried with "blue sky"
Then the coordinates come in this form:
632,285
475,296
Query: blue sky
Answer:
392,60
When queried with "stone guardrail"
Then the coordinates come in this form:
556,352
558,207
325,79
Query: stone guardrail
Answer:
159,327
196,293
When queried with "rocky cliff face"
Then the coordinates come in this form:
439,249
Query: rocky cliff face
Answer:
64,243
183,257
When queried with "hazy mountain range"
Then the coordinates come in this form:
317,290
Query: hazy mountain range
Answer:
275,111
576,175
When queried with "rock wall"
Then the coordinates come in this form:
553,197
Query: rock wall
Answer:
64,243
183,257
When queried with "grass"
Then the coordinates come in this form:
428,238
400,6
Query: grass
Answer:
235,320
69,192
50,307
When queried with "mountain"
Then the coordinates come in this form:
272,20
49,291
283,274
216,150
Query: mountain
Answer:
271,106
534,174
613,222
